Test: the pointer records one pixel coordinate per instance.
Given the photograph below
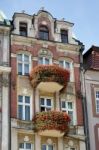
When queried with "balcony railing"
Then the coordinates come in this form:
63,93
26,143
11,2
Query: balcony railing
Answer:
49,77
51,123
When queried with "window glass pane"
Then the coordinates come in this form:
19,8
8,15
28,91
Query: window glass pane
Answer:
28,145
27,99
42,101
42,109
48,109
46,61
70,105
50,147
67,64
21,145
63,104
71,116
97,94
19,57
48,102
61,63
26,58
20,111
27,112
26,69
44,147
20,98
20,68
97,106
40,60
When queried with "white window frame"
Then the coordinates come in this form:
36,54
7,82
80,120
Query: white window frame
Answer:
97,101
70,68
47,146
25,104
25,146
45,103
44,60
66,109
23,63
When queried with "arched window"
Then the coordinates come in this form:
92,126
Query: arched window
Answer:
43,33
64,36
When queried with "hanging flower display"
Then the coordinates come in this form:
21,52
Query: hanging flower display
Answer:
52,120
49,73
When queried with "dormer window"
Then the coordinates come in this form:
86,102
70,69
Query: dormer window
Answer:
64,36
23,29
43,33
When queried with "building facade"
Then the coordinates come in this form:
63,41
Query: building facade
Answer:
91,79
4,82
45,83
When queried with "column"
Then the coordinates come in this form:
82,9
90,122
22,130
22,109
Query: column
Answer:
14,139
57,101
37,103
37,142
5,112
60,143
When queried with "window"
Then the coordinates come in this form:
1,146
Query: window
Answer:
47,147
72,148
67,106
25,146
43,33
24,108
45,60
45,104
97,101
64,36
23,64
64,64
23,29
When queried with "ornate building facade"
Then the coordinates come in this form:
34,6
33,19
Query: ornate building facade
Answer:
4,82
91,86
45,84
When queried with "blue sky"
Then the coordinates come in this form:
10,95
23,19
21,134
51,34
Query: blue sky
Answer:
83,13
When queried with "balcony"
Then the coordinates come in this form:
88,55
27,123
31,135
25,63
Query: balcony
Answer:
4,67
51,123
49,78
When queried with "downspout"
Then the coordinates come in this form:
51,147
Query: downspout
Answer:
10,91
84,102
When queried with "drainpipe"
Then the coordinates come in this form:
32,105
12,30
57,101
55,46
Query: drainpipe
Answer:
84,102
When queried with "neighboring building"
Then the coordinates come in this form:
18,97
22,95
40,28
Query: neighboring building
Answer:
4,82
91,79
43,40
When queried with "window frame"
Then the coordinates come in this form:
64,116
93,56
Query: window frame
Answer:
43,32
64,36
97,100
44,60
25,146
23,25
23,104
23,63
47,148
45,103
67,109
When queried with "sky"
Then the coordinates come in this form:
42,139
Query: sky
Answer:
83,13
